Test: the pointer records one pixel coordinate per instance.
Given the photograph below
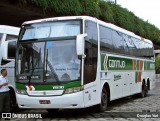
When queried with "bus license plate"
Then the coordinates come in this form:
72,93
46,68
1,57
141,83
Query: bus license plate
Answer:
44,102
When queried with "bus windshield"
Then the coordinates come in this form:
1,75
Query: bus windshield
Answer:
46,55
48,62
50,30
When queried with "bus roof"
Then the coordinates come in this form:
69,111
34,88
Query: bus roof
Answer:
148,41
109,25
9,30
58,18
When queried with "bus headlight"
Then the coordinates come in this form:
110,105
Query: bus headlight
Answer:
73,90
22,92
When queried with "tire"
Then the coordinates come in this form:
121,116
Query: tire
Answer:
144,91
148,84
13,103
104,100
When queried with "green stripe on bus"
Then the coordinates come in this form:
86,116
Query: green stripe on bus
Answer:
149,65
137,67
102,61
117,63
120,63
50,87
20,86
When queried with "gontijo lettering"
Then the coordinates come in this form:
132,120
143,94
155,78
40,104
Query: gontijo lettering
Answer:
116,64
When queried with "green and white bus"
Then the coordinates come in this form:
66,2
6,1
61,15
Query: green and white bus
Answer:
78,62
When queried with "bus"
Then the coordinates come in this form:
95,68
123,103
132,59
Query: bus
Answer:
8,39
79,61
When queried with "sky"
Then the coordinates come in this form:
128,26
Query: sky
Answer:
145,9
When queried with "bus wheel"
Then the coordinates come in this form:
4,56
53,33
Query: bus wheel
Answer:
52,111
104,100
144,91
148,84
13,104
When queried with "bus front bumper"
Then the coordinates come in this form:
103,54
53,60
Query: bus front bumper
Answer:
73,100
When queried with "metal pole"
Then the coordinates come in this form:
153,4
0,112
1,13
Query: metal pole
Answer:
115,1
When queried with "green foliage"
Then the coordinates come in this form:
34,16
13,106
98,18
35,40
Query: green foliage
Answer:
122,17
106,11
41,3
90,8
59,7
157,63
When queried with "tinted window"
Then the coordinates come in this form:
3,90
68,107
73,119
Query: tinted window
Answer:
118,42
11,37
143,49
137,50
91,51
91,30
106,39
126,47
130,44
147,50
151,49
11,50
1,37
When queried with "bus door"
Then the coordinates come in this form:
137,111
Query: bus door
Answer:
126,84
90,63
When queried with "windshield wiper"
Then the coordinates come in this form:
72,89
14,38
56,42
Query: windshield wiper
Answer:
23,40
52,69
33,67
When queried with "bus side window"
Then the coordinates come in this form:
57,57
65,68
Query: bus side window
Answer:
1,35
130,45
151,54
106,44
126,47
118,42
12,50
11,37
91,51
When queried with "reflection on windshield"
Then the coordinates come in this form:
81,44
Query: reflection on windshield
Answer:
52,61
32,57
52,29
62,56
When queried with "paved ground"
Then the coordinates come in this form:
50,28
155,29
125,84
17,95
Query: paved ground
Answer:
126,109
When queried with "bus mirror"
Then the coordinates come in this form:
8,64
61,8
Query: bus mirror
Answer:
80,44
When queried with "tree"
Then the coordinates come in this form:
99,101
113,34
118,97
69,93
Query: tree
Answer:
106,12
157,64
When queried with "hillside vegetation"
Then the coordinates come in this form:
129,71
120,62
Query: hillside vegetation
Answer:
105,11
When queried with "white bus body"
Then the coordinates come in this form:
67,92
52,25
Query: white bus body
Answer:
8,39
78,62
